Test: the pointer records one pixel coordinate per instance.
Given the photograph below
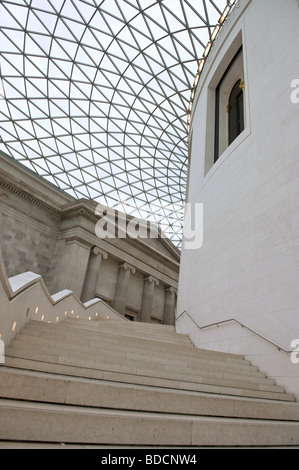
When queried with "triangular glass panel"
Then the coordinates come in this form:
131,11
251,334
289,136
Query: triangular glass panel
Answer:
14,16
115,24
35,24
196,13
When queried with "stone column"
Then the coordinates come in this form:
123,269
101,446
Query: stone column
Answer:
120,300
169,306
93,268
148,298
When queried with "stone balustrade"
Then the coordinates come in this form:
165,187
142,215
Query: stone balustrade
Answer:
25,296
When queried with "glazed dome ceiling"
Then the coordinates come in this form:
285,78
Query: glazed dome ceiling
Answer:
95,97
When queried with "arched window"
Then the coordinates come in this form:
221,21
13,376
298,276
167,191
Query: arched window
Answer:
236,111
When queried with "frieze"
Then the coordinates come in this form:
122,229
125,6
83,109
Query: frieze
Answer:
33,200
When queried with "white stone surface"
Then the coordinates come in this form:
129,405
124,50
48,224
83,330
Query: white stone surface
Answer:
60,295
248,266
21,280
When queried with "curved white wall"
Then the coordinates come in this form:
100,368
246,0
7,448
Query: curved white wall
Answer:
248,266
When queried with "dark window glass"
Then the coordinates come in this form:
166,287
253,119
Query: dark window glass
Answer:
236,112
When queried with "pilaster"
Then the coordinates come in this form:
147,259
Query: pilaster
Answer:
148,298
94,264
120,300
169,306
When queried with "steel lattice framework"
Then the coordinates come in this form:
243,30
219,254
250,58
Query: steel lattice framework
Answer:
95,96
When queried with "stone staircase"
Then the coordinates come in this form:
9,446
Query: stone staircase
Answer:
117,383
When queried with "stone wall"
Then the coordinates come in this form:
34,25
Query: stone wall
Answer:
29,220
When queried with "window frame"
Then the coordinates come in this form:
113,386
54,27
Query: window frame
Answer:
218,106
236,118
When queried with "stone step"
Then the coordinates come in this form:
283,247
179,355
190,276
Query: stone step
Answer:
105,359
44,422
114,330
101,339
93,361
142,327
94,347
161,382
77,334
113,340
54,388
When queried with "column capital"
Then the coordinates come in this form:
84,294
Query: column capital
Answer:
97,251
126,267
151,279
171,290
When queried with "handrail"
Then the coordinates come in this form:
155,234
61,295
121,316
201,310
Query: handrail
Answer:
218,323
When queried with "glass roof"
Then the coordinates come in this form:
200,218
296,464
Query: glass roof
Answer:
95,97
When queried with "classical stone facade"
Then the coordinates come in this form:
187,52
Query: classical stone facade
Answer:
46,231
